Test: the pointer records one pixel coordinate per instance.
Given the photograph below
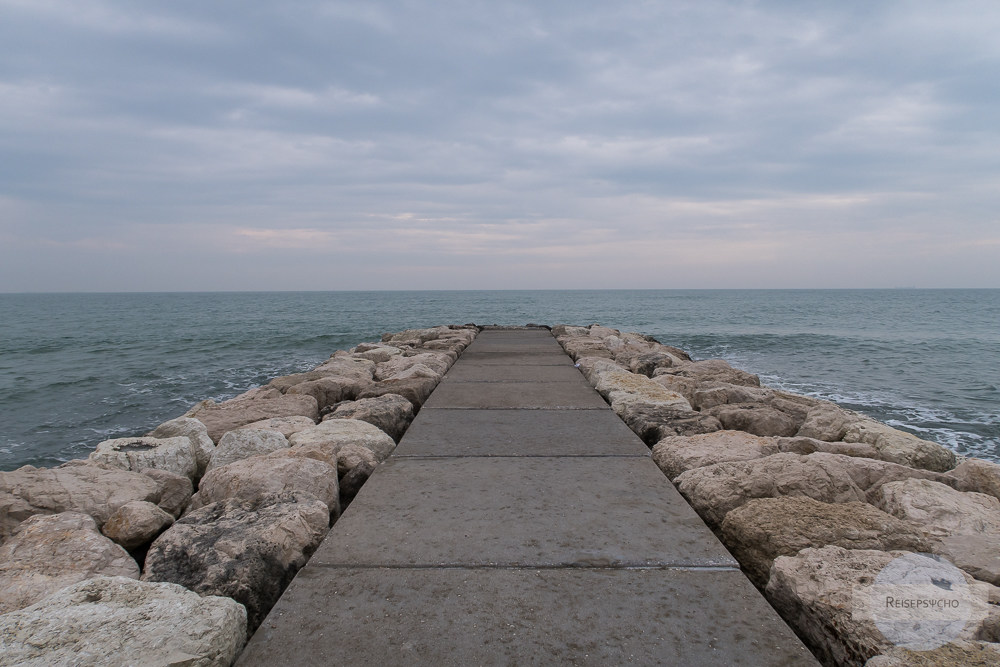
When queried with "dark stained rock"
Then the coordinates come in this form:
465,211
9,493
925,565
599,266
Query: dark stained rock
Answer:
755,418
652,423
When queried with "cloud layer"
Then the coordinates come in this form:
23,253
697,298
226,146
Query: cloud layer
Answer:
395,145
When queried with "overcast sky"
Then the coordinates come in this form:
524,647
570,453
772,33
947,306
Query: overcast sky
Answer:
193,145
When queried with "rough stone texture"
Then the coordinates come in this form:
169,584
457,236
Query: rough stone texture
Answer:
979,555
765,528
353,479
677,454
376,352
120,621
827,421
620,388
438,362
342,365
192,429
330,389
175,454
647,363
979,476
815,592
652,423
755,418
175,490
136,524
713,370
259,476
414,384
286,426
686,387
77,486
248,551
961,653
46,553
900,447
939,509
391,413
724,394
244,443
584,346
833,478
333,434
219,418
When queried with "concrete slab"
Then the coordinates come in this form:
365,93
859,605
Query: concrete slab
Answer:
565,395
472,371
522,617
508,357
523,512
442,432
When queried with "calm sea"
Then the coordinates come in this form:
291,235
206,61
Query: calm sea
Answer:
76,369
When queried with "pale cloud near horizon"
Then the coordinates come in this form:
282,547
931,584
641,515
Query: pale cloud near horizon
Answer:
402,145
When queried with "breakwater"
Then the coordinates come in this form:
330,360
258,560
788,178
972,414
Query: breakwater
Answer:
792,485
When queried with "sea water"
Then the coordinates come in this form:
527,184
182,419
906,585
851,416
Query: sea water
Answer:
76,369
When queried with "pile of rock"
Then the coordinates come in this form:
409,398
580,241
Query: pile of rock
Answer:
813,500
171,547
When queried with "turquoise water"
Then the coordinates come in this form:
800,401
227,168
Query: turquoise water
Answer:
76,369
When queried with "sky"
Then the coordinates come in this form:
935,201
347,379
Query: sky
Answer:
300,145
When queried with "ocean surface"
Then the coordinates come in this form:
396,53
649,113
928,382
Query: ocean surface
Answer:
76,369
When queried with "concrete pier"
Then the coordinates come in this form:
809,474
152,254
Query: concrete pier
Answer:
519,521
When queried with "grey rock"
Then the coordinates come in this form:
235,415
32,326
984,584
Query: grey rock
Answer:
175,454
248,551
939,509
755,418
652,423
220,418
334,434
901,447
120,621
390,412
48,552
175,490
195,431
286,426
961,653
979,476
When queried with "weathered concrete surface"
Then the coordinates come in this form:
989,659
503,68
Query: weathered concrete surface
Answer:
520,522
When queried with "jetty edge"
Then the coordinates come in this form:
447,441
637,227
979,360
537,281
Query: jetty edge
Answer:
810,498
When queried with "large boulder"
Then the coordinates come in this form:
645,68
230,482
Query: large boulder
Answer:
136,524
439,362
175,490
220,418
722,393
653,423
765,528
176,454
901,447
243,443
677,454
81,486
712,371
334,434
977,475
48,552
827,421
755,418
621,387
820,593
246,550
341,365
377,352
120,621
961,653
832,478
414,384
259,476
286,426
195,431
391,413
939,509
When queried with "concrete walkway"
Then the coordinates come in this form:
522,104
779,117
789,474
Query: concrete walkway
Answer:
520,522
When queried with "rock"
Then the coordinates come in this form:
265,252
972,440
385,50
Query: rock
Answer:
352,481
228,415
940,510
677,454
561,330
724,394
258,476
765,528
755,418
175,455
437,362
976,554
195,431
244,443
136,524
377,353
415,336
77,486
390,412
900,447
713,370
334,434
653,423
827,421
803,445
621,388
248,551
716,489
414,384
351,456
120,621
330,389
175,490
286,426
48,552
979,476
341,365
584,347
962,653
818,592
686,387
